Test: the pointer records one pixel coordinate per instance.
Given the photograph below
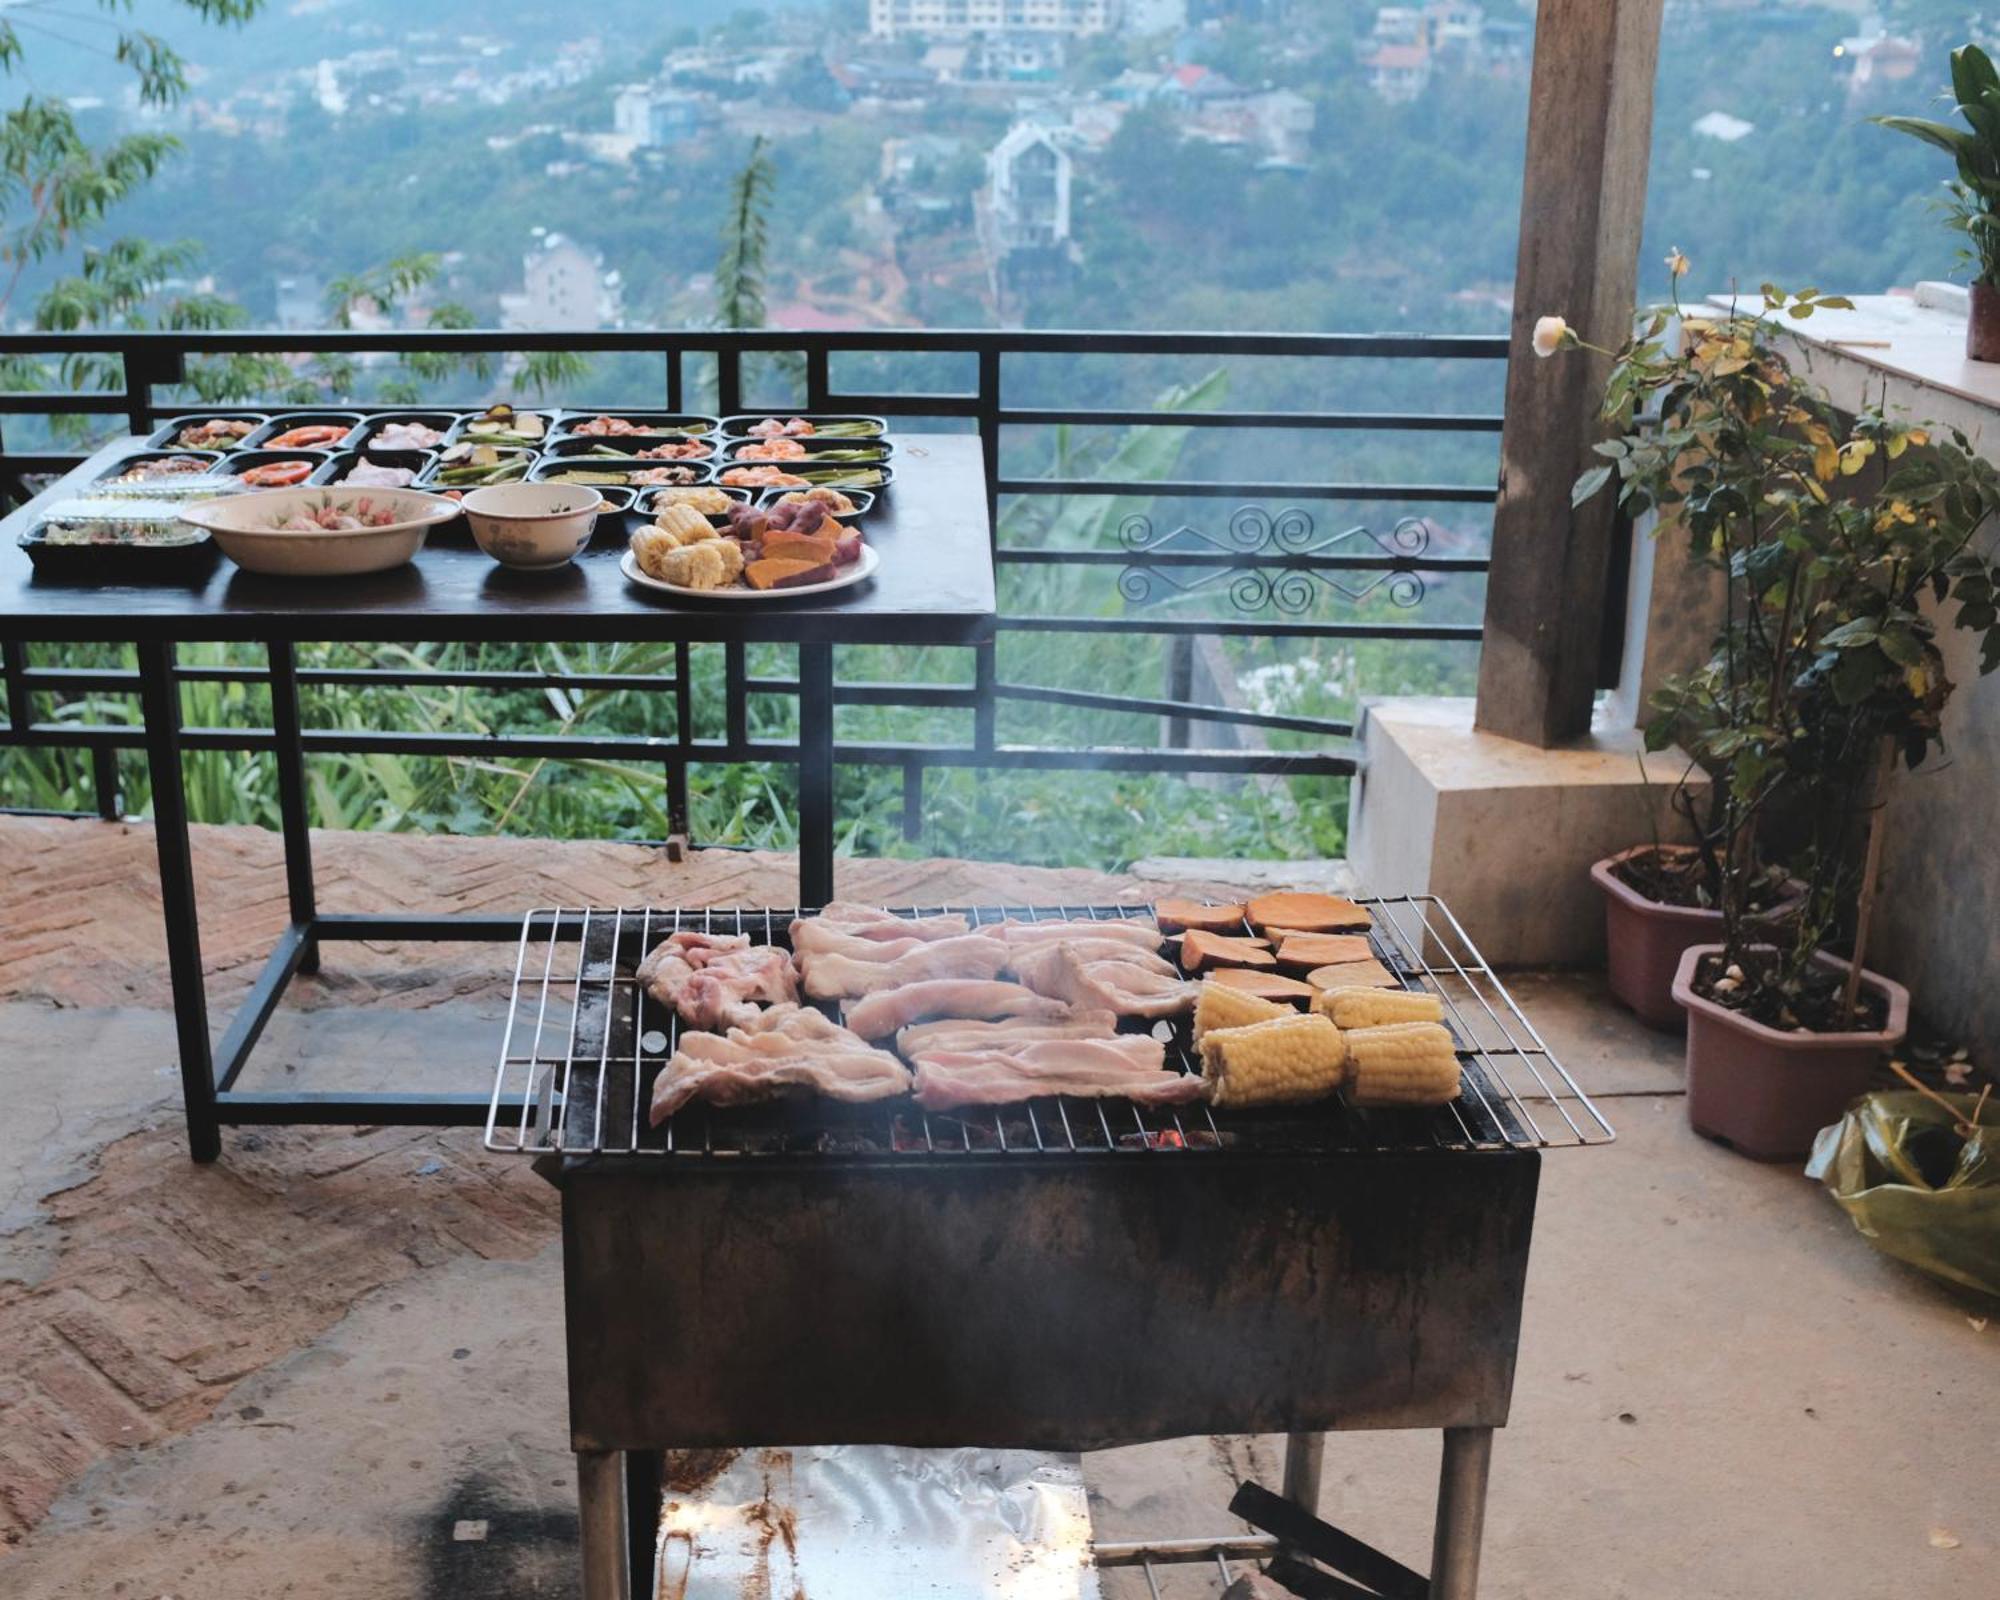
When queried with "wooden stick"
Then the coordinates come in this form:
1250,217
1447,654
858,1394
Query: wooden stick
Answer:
1871,865
1960,1125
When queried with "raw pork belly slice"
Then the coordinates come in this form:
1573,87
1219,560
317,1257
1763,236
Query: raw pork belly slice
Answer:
880,1014
871,922
958,1034
1126,987
718,980
788,1047
1129,1067
1142,933
835,977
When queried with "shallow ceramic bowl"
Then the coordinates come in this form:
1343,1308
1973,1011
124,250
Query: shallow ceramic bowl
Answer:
249,528
532,525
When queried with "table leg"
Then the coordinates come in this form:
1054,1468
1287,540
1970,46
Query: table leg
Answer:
815,774
603,1522
1461,1514
160,702
293,815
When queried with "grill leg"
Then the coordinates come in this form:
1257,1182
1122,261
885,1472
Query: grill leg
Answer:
160,702
1461,1517
605,1525
1305,1453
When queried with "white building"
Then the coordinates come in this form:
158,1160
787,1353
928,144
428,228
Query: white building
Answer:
1028,178
563,285
1149,17
890,19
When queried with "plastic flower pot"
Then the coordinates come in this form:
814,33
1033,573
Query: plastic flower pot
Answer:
1766,1092
1645,939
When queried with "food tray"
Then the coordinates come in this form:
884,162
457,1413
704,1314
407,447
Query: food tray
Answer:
463,421
438,465
645,502
885,476
120,563
863,500
376,421
629,445
284,421
738,427
242,461
125,464
549,468
162,437
881,450
567,422
335,468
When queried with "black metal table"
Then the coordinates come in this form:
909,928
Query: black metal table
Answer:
934,587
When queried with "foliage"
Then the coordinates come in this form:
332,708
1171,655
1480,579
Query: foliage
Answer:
739,277
1974,206
1840,543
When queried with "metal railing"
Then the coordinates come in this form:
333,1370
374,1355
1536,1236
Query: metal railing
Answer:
1271,564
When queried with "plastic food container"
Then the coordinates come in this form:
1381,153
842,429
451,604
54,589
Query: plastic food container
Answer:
568,422
616,471
738,427
210,459
629,445
334,469
873,451
242,461
164,437
117,550
283,422
863,501
440,422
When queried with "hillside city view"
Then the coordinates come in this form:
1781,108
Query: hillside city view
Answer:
1336,166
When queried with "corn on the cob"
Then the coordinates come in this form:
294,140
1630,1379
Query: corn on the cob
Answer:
1279,1062
1376,1008
1219,1006
1401,1064
687,525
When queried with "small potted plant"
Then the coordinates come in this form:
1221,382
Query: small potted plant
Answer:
1844,545
1973,203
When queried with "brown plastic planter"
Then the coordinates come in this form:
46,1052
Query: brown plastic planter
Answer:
1644,939
1764,1092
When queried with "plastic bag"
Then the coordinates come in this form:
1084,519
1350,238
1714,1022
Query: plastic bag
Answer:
1914,1188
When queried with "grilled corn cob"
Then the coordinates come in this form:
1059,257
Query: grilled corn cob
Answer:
1279,1062
1219,1006
1402,1064
1375,1008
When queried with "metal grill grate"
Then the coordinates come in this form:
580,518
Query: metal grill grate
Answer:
584,1042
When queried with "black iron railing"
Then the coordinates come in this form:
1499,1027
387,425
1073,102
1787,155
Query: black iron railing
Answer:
1267,563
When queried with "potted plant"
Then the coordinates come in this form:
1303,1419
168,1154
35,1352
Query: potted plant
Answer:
1973,206
1843,544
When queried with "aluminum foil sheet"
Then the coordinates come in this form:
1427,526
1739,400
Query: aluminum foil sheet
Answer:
875,1522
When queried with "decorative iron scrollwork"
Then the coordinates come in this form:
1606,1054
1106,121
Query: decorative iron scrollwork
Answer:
1280,586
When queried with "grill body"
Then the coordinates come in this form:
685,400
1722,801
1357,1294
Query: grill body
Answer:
1046,1305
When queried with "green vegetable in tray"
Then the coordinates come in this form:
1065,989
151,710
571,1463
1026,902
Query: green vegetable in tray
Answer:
846,430
836,477
467,465
588,475
505,425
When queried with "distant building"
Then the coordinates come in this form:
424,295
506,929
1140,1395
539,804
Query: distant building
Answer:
1028,188
956,19
301,301
649,115
1399,72
1878,59
563,286
1150,17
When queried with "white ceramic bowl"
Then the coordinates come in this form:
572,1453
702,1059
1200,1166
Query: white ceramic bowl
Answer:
532,524
251,529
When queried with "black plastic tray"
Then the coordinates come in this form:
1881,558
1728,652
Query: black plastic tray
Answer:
629,445
464,420
428,479
548,467
887,475
119,563
645,501
568,421
285,421
163,437
337,467
125,464
738,427
241,461
864,501
375,422
733,449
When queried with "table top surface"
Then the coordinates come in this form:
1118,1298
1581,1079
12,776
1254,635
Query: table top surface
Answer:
934,584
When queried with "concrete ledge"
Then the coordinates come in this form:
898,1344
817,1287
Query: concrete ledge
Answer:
1503,832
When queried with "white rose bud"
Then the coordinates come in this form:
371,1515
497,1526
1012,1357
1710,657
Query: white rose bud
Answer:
1551,334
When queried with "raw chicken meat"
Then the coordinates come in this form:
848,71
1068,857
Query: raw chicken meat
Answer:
871,922
1131,1067
1140,933
880,1014
1126,987
958,1034
814,936
789,1046
717,980
1090,949
835,977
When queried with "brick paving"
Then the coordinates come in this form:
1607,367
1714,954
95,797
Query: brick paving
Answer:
169,1283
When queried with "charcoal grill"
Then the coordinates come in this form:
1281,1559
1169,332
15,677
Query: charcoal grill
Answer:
1064,1275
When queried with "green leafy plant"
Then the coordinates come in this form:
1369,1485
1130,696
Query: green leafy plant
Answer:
1844,545
1974,206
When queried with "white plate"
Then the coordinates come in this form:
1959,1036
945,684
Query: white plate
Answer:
629,565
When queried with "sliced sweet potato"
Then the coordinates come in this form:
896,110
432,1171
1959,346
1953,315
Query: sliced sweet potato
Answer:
1176,915
1306,913
1352,975
1200,950
816,548
1264,984
777,573
1301,952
